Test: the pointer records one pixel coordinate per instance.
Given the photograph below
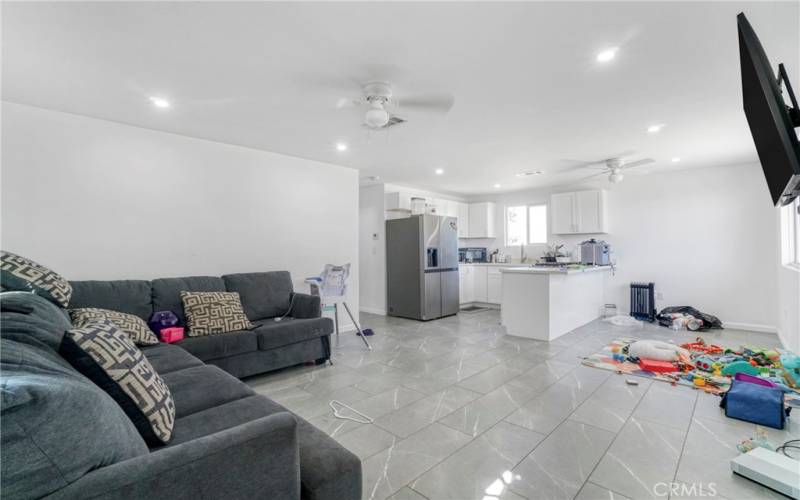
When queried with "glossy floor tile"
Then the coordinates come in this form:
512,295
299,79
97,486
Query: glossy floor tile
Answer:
463,411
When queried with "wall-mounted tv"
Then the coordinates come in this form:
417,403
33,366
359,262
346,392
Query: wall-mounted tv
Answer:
772,122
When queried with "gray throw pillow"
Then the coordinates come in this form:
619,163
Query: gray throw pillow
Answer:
208,313
133,326
108,357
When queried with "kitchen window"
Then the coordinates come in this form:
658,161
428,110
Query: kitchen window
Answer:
790,234
526,225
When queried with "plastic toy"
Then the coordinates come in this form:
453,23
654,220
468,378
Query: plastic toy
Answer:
704,363
654,365
699,381
732,369
790,361
700,345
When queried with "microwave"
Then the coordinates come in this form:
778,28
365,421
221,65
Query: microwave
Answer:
475,254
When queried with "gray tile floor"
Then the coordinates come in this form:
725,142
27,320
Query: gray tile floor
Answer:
464,411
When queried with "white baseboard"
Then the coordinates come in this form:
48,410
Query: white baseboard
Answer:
371,310
750,327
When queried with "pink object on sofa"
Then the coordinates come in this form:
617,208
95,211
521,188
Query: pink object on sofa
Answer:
172,334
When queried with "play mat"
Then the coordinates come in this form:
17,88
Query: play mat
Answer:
709,368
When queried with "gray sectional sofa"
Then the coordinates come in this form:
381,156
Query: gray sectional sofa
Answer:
64,438
301,336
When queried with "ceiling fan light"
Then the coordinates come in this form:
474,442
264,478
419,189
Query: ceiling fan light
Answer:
376,117
616,177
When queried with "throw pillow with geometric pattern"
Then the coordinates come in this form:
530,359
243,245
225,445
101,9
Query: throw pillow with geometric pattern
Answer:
108,357
208,313
133,326
21,274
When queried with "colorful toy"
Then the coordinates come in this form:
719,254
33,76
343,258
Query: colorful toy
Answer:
790,361
732,369
704,363
654,365
700,345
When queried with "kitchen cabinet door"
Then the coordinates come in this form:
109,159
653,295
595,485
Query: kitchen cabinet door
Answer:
463,220
494,285
480,283
591,211
481,220
465,292
562,209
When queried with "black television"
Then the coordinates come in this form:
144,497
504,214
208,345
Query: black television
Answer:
772,123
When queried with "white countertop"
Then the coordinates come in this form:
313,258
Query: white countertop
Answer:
553,270
491,264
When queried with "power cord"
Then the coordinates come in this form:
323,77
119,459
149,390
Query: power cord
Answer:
792,443
291,305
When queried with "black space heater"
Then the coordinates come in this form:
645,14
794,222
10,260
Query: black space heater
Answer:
643,301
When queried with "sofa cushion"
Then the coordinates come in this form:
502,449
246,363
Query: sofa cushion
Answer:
264,295
109,358
127,296
46,404
327,469
21,274
202,387
31,319
272,334
220,346
166,358
167,292
133,326
210,313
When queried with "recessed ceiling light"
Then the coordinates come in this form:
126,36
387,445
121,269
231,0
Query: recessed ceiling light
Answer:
374,178
496,186
159,102
340,146
607,55
676,160
439,171
655,128
529,173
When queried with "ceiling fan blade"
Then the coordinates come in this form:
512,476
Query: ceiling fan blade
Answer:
427,102
344,102
638,163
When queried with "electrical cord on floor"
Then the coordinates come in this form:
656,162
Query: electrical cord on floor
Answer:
792,443
291,305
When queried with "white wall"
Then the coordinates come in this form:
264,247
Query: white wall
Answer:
788,289
706,237
372,248
94,199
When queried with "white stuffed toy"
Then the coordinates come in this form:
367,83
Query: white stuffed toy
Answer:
655,349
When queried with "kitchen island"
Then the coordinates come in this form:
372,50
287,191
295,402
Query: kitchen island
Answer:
544,303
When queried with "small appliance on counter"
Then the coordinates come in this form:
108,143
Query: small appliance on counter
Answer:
472,254
595,253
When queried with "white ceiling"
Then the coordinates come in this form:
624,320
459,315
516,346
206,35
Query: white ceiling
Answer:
529,94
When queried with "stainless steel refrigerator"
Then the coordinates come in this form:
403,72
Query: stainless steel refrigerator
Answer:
422,267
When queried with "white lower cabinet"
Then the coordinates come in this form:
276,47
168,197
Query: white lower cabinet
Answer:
479,284
465,285
494,285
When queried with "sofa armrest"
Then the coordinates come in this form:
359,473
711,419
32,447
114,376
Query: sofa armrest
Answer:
251,460
305,306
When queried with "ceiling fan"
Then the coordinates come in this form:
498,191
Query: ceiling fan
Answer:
380,104
616,167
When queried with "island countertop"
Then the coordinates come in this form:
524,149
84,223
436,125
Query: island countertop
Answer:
554,270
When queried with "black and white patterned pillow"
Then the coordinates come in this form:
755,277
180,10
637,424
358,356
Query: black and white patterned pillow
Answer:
108,357
21,274
132,325
208,313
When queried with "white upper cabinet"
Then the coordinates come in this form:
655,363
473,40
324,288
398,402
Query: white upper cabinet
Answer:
397,201
580,212
481,220
463,220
